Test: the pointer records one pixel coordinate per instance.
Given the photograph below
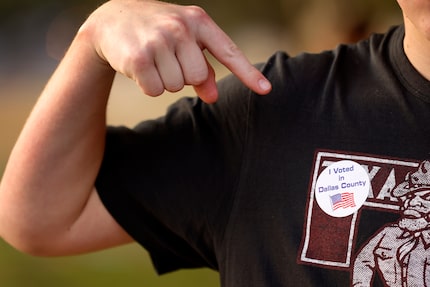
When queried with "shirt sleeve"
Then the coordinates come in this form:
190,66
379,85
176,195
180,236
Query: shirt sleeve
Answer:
170,182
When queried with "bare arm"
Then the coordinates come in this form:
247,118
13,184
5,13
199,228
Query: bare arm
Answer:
48,204
49,177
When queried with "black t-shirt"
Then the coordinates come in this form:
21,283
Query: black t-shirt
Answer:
257,186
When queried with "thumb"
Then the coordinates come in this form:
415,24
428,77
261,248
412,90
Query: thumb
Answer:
207,90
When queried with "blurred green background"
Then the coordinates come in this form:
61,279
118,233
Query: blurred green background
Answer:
34,36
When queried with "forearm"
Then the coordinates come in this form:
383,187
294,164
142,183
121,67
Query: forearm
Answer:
56,158
47,194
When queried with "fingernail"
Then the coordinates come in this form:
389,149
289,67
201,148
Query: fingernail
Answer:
264,84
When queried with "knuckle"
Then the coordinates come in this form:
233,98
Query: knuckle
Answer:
173,82
197,13
197,77
175,28
153,91
139,60
150,85
176,84
134,57
232,50
175,87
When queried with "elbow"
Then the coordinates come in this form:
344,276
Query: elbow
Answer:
34,239
27,242
22,231
26,238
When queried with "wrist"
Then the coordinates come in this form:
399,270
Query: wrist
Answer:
87,42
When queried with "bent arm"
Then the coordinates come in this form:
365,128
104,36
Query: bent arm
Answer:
49,178
48,204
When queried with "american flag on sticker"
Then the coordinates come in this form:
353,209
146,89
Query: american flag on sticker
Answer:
342,200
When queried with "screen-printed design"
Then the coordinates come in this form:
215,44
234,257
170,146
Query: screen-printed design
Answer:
398,250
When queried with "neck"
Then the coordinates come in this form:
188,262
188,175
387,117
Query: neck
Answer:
417,49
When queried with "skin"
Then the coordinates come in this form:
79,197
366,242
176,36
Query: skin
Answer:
48,203
417,38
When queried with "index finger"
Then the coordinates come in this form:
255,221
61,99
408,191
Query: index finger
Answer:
228,53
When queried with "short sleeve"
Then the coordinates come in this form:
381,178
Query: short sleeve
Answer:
170,182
